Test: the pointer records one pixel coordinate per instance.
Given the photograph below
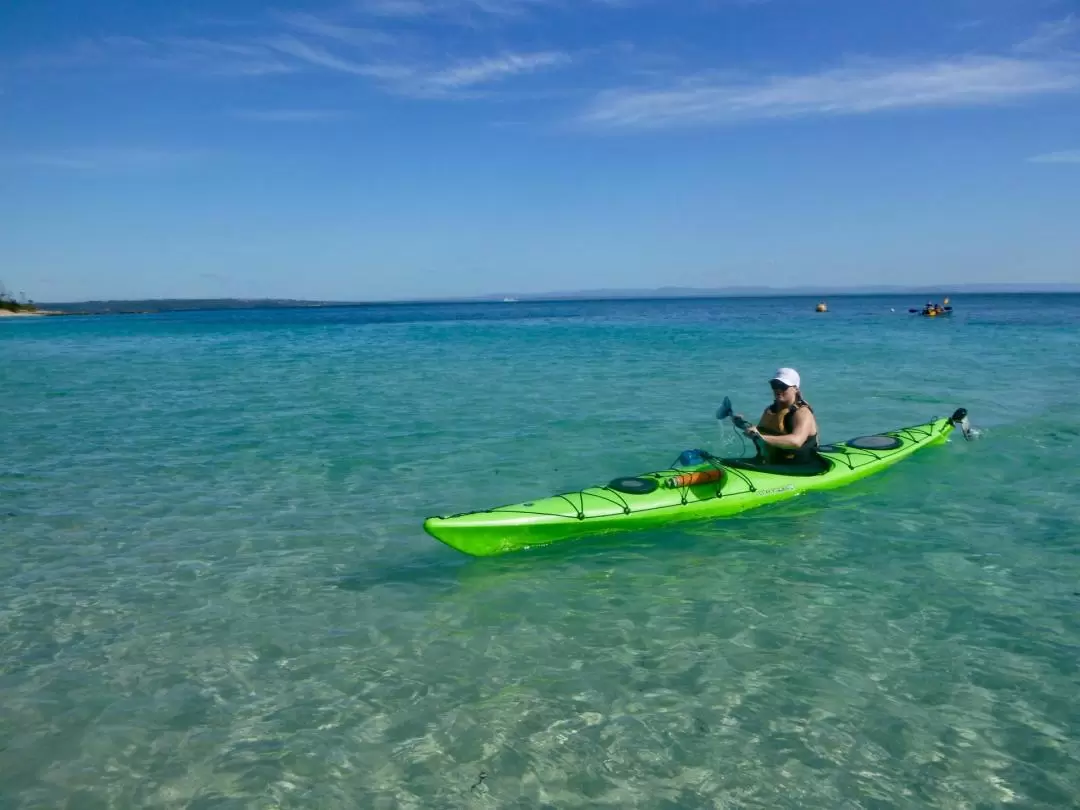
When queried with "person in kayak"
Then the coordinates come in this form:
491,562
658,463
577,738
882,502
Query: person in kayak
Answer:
787,430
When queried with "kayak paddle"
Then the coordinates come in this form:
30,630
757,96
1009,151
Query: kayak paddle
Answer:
960,419
725,412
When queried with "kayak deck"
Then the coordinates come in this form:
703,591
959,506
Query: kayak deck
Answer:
727,487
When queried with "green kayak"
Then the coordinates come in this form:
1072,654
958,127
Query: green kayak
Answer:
698,486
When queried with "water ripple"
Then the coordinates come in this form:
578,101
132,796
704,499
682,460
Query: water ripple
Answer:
214,590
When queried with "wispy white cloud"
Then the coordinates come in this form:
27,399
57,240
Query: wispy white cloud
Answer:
871,86
418,79
323,58
224,58
1055,35
493,68
310,24
190,54
1068,156
397,63
656,91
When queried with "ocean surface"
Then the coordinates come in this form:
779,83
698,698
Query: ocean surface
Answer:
215,589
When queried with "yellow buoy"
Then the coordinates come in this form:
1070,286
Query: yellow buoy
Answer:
822,308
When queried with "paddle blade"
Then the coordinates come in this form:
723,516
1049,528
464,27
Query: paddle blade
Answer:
724,411
960,419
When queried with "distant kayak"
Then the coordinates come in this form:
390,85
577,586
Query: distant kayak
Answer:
932,313
698,486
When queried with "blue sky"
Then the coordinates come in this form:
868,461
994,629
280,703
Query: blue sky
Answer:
388,149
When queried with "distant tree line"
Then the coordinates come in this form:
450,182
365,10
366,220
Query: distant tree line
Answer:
12,304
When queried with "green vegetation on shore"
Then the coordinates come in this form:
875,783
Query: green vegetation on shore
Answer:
11,304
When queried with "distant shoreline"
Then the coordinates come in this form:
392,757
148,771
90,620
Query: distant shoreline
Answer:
157,306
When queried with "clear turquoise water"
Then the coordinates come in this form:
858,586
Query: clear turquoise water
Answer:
215,591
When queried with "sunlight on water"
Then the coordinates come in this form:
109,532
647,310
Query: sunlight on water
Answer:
216,592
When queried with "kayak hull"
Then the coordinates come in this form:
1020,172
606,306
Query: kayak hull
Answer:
738,485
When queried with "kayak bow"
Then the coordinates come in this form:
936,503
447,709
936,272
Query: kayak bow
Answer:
698,486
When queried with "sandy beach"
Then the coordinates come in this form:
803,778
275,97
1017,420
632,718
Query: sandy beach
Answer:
41,313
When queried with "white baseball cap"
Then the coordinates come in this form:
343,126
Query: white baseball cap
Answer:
788,376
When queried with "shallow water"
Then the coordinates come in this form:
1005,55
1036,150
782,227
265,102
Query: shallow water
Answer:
215,591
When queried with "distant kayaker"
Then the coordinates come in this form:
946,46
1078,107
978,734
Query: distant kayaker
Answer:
787,428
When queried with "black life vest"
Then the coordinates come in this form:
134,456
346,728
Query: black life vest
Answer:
781,422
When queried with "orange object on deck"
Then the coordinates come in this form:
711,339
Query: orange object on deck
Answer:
694,478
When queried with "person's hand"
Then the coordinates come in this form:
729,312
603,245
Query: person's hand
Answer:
752,432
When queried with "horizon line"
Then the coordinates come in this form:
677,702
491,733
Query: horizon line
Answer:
626,294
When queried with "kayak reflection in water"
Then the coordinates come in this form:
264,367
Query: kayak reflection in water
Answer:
787,432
